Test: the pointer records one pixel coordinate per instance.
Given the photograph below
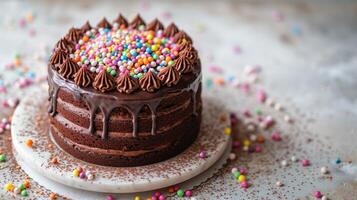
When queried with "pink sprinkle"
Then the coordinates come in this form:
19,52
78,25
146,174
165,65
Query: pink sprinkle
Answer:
276,136
188,193
162,197
305,163
154,198
110,197
250,70
244,184
243,170
2,89
236,144
258,149
22,23
176,187
318,194
261,96
245,88
246,113
203,154
237,49
157,194
277,16
215,69
268,121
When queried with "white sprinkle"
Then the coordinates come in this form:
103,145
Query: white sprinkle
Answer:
324,170
294,159
17,190
4,120
269,102
251,127
7,127
193,198
234,169
284,163
253,138
245,148
287,119
232,156
277,107
279,184
324,198
90,177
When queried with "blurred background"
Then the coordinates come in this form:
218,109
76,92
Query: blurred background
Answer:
306,50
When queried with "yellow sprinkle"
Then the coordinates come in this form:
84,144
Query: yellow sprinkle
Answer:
241,178
137,198
246,142
9,187
76,173
227,130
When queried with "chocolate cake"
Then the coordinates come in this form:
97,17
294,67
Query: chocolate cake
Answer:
124,93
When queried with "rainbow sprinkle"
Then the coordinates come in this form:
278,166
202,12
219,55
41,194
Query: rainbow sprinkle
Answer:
125,51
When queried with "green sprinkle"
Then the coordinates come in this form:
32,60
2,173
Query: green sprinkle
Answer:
113,73
236,174
21,186
258,111
24,193
109,69
180,193
2,158
171,62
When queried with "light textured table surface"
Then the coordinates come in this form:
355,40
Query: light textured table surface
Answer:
308,59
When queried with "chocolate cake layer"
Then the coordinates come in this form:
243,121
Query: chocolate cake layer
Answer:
177,117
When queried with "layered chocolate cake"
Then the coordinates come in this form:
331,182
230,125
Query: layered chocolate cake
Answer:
124,93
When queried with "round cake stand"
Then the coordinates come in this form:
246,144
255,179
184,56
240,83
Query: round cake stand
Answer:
30,121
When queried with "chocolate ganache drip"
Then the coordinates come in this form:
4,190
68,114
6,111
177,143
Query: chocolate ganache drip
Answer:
138,21
155,25
104,24
183,64
83,77
171,30
58,57
182,36
149,82
68,68
74,35
127,84
86,27
121,21
169,76
64,45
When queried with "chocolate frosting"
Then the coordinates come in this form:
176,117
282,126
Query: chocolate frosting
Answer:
104,82
138,21
169,76
83,77
64,45
171,30
86,27
183,64
127,84
187,50
104,24
155,25
58,57
68,68
182,36
121,21
149,82
74,34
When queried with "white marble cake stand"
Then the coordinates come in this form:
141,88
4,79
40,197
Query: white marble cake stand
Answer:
30,121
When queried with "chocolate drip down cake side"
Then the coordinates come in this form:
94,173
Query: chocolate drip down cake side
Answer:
124,93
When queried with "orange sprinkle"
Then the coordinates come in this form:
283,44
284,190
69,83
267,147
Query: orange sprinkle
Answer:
150,59
219,81
85,38
168,58
29,143
17,62
146,61
260,139
171,190
53,196
26,183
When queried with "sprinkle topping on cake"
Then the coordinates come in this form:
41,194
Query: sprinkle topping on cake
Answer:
126,51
